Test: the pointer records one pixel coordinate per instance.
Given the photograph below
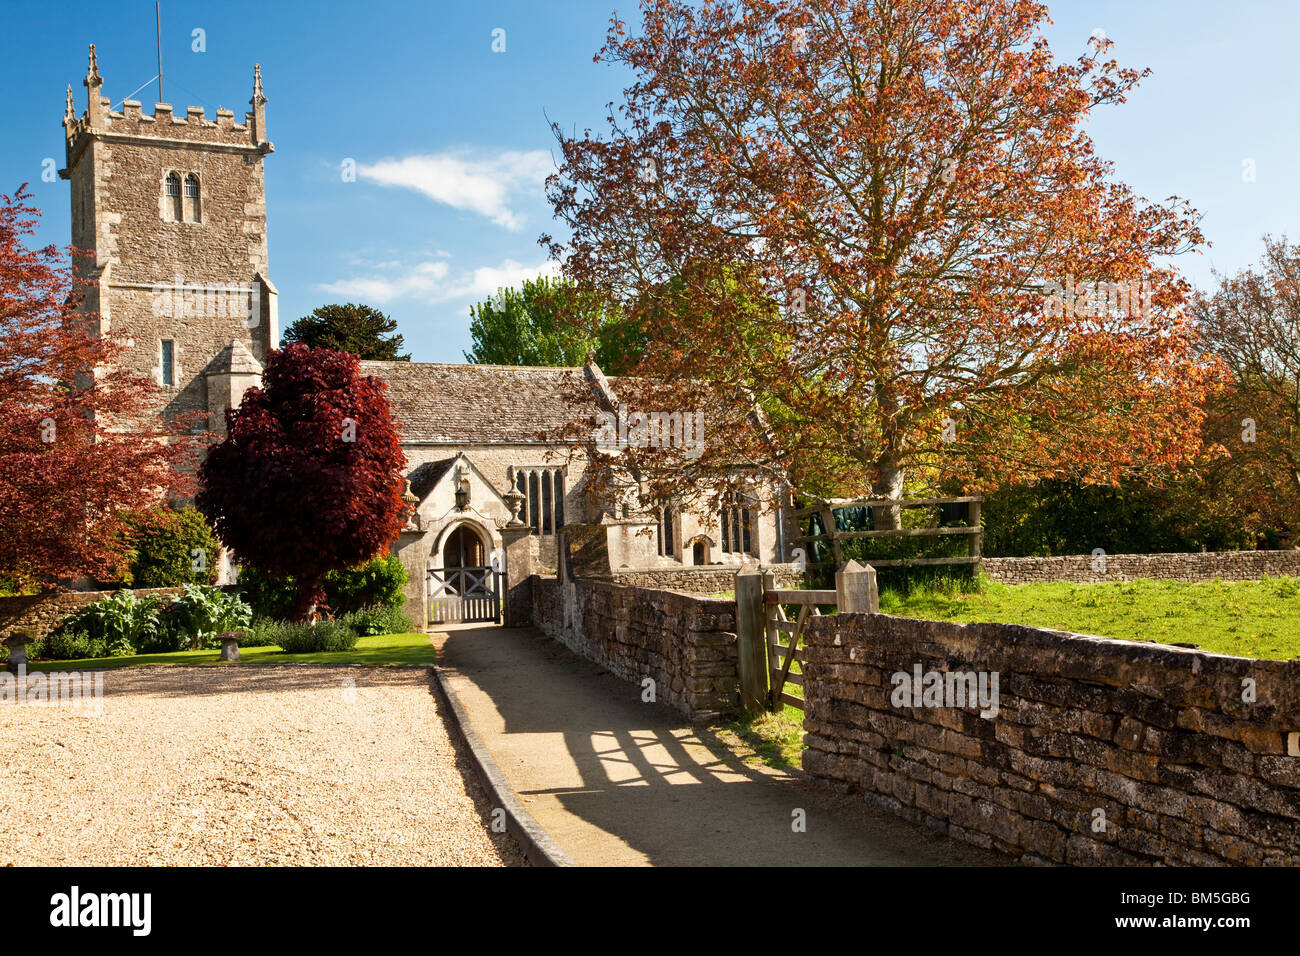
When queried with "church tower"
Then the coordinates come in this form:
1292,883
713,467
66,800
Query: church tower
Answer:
172,210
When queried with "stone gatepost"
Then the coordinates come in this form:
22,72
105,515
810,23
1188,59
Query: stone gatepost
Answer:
517,595
412,547
517,589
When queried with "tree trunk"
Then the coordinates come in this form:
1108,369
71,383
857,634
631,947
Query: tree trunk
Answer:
889,484
310,601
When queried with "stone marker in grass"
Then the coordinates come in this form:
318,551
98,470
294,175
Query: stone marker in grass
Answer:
229,645
17,644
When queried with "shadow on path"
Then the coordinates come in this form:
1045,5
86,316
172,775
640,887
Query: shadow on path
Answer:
617,781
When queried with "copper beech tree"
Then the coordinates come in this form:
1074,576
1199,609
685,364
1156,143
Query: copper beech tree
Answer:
309,476
883,222
79,449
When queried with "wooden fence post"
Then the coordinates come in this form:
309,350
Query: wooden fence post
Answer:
751,621
855,589
976,540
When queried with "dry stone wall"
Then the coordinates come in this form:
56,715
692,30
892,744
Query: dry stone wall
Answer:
1086,569
41,612
1095,752
703,580
685,643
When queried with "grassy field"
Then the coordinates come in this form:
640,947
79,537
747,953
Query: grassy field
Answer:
383,649
1259,619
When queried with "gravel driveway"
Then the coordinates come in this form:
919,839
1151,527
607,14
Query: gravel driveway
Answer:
258,765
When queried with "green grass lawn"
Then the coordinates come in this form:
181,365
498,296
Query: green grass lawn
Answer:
1259,619
381,650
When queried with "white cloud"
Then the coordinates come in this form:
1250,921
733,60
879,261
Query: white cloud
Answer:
432,282
484,185
421,282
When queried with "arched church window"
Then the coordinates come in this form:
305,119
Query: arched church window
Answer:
192,197
173,205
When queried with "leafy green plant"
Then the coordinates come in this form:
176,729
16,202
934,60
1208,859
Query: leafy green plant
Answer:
67,646
122,621
369,622
209,611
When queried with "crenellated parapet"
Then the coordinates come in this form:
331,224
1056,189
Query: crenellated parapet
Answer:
131,125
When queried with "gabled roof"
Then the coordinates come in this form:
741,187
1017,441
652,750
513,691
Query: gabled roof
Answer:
236,358
424,477
440,403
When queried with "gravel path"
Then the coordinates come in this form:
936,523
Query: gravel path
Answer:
243,765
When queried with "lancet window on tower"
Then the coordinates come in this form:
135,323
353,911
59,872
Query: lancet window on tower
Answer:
173,203
192,209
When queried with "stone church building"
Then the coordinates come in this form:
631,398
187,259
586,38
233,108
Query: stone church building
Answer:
172,210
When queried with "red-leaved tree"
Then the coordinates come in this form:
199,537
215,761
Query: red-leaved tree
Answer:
78,451
309,477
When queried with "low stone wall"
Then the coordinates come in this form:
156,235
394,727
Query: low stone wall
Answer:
41,612
1085,569
1099,751
686,643
705,579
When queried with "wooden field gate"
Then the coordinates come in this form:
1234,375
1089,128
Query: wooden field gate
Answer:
825,513
761,623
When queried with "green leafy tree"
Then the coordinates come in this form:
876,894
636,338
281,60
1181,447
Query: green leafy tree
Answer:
365,332
551,322
170,548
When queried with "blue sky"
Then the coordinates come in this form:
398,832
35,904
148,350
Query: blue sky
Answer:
451,141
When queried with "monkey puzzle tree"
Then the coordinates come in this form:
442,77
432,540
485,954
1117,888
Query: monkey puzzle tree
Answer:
947,278
365,332
309,477
78,451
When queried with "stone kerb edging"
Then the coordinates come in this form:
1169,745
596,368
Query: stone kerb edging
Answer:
539,846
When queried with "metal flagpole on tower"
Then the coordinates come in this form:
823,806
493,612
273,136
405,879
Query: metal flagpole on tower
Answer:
157,12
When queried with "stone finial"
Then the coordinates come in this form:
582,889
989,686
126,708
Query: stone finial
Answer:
258,102
95,113
70,113
412,503
513,500
258,97
92,73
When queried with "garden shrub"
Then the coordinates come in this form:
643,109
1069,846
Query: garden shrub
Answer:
263,632
170,548
67,646
122,621
302,638
377,620
381,581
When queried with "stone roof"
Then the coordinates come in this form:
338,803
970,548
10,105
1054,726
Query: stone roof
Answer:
424,477
484,404
236,358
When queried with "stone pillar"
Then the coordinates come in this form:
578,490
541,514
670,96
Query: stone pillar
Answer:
412,547
517,591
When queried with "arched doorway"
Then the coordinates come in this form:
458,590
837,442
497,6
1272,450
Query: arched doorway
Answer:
465,587
463,549
700,548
